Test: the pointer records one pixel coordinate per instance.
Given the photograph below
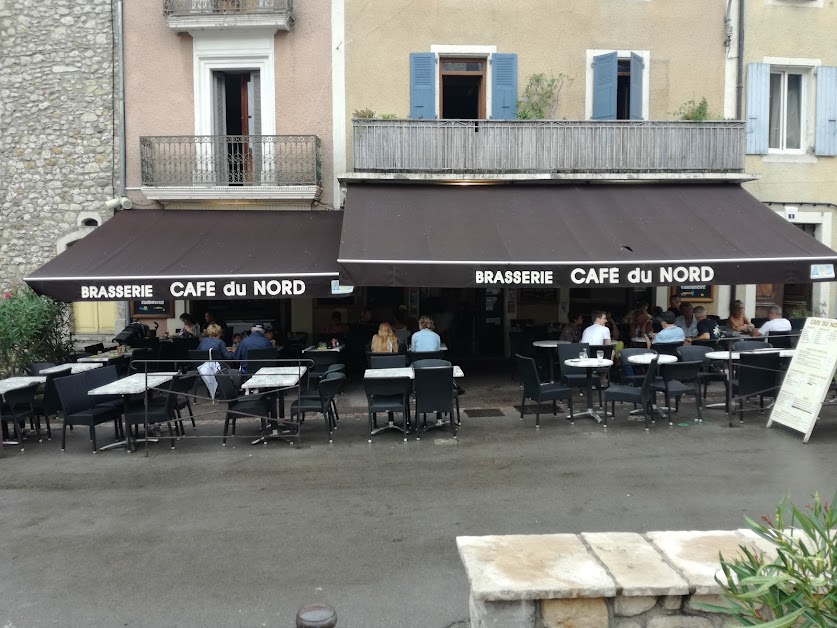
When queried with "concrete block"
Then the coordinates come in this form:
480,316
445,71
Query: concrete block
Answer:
672,602
629,606
575,613
679,621
516,614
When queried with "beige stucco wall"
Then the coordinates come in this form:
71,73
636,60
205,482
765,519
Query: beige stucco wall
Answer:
685,39
159,82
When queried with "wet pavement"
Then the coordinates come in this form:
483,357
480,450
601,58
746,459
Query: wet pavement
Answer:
245,535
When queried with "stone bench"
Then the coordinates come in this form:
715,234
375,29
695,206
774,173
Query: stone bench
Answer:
606,579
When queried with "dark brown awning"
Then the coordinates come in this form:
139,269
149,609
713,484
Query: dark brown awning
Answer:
198,254
609,235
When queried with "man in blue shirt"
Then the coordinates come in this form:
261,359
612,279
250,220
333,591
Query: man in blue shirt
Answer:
425,339
669,333
255,340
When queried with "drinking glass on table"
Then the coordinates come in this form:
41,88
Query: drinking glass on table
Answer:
600,355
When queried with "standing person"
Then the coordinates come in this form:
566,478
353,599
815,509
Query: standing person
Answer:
707,329
669,333
210,318
385,341
190,329
674,305
687,321
571,332
255,340
737,321
775,324
598,333
425,339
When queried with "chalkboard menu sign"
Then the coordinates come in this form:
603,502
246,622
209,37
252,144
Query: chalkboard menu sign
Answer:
152,309
697,293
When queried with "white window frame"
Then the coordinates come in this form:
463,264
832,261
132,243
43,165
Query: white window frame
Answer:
622,55
805,67
784,72
804,4
245,51
467,52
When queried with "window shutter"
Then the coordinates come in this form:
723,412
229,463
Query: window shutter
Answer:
256,128
637,68
604,86
504,88
219,106
422,85
758,108
826,129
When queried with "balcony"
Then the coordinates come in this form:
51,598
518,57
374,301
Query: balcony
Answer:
203,15
231,167
547,149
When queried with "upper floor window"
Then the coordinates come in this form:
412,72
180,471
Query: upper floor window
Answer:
787,120
617,85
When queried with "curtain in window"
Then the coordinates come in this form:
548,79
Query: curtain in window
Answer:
793,137
775,138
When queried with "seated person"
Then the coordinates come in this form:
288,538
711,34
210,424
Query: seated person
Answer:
598,333
639,321
190,327
669,333
255,340
707,329
656,324
337,325
236,340
400,329
775,324
571,332
212,341
425,339
737,321
687,321
385,341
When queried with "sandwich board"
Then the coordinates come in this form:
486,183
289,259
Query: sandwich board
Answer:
808,377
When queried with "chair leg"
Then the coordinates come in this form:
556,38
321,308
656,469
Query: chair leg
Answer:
371,426
226,429
538,413
668,408
699,406
522,405
93,438
64,437
554,408
48,427
171,433
18,432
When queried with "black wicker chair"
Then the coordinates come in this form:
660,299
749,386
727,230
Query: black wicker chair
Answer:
324,403
678,379
17,407
435,392
257,406
537,391
388,395
641,395
77,407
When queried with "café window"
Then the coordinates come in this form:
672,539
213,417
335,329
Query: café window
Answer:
786,112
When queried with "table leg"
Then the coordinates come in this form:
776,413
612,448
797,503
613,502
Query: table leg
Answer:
590,411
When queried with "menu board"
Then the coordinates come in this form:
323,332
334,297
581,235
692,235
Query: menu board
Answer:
808,377
152,309
698,293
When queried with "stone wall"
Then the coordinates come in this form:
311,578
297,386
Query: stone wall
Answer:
600,580
57,126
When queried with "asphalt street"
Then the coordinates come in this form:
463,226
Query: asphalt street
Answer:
245,535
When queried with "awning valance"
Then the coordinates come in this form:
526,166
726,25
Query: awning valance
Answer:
539,235
198,254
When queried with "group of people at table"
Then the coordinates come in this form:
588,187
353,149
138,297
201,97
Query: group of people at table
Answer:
680,323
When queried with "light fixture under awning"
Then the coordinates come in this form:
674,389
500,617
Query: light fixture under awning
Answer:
199,254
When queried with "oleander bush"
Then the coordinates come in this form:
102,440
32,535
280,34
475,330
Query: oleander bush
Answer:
797,587
32,329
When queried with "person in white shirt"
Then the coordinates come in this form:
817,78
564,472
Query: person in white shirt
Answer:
687,320
598,333
775,324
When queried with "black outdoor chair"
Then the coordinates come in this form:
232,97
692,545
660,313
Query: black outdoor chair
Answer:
751,344
95,348
122,364
667,348
154,414
325,403
521,344
633,374
387,360
36,367
183,389
94,378
250,406
783,340
388,395
412,356
138,362
77,407
269,355
17,407
758,376
574,376
431,362
641,395
48,405
536,391
678,379
708,373
435,392
321,361
712,345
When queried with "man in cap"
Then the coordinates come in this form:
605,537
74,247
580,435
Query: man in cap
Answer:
256,340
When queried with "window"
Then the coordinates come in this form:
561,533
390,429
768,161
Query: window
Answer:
786,117
617,84
462,88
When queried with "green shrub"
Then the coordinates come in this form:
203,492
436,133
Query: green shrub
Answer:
799,586
364,114
540,96
32,329
695,111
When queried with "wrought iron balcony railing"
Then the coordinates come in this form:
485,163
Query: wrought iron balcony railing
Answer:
230,160
190,8
547,146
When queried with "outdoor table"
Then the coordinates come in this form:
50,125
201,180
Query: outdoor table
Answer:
282,370
403,371
274,377
315,348
590,364
73,368
729,357
15,383
550,344
135,384
103,357
645,358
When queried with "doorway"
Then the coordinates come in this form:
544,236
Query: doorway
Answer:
236,117
462,93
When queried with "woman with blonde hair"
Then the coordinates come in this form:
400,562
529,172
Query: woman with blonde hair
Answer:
212,341
385,341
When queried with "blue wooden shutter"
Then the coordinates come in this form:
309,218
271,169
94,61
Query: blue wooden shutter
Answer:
423,85
504,88
637,67
826,129
604,86
758,108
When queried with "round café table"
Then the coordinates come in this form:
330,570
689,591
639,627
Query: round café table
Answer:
645,359
550,344
590,364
